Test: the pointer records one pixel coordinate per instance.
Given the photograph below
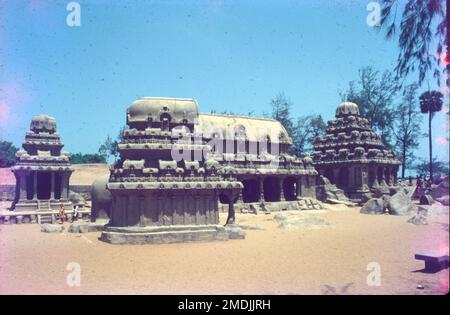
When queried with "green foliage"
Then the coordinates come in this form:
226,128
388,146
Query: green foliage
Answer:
80,158
7,154
406,127
431,101
422,24
440,168
303,131
307,129
109,147
374,94
281,107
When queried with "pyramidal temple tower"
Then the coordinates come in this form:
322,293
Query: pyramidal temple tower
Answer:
42,171
353,157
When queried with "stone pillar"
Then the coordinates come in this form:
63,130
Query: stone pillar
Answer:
35,185
394,170
383,179
364,177
375,182
52,187
281,189
22,185
64,186
241,197
298,187
231,214
261,189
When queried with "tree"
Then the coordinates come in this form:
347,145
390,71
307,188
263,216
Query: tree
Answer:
422,24
281,111
307,129
7,154
439,168
109,147
430,102
374,94
406,127
80,158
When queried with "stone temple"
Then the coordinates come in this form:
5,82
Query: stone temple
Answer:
353,157
176,166
42,172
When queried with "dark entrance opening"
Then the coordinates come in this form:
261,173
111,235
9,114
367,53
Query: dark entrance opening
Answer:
43,185
289,189
329,174
343,177
250,190
271,189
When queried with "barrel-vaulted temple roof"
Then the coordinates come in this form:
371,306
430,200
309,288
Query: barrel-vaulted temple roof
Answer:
186,111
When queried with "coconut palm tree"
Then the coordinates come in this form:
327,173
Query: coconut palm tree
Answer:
430,102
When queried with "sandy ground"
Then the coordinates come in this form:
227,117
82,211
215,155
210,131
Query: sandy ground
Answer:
328,260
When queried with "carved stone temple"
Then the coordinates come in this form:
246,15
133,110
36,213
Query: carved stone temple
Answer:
176,166
353,157
157,198
42,171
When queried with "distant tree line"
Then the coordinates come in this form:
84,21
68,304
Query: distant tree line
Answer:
7,154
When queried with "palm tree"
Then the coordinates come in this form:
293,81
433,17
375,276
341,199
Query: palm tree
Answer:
430,102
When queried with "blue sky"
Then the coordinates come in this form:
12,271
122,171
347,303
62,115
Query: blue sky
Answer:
229,55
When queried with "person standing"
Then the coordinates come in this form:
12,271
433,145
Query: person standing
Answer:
75,214
61,214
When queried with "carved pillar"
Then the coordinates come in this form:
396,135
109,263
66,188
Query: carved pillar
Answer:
22,185
395,175
160,209
298,187
281,189
52,186
383,179
261,189
35,185
197,209
231,214
374,172
64,187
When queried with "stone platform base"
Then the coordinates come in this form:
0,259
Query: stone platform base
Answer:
42,205
255,207
164,234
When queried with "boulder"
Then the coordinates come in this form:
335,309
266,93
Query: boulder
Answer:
375,205
86,227
52,228
300,222
235,231
77,199
420,218
326,191
444,200
441,189
400,204
379,191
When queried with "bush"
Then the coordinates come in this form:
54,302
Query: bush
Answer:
80,158
7,154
